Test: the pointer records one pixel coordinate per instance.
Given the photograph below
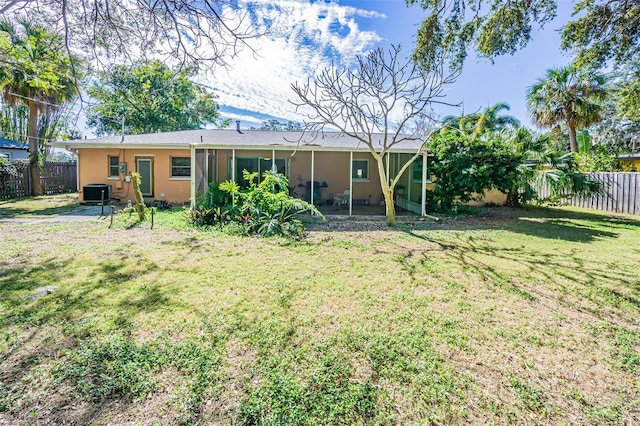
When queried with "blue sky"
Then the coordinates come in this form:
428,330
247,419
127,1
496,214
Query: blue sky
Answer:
308,36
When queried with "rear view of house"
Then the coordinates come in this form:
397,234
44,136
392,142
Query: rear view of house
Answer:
175,166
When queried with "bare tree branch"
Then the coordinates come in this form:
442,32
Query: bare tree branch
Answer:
383,98
191,33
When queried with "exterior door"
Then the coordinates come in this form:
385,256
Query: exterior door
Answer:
144,166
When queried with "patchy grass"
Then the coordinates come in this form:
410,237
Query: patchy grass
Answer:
41,206
507,317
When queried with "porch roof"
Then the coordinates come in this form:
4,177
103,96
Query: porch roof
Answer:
232,139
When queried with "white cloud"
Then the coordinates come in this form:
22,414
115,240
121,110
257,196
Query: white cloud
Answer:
303,38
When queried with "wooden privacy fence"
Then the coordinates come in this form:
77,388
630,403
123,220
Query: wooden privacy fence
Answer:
620,193
54,178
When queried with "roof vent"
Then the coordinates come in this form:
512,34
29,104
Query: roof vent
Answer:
238,127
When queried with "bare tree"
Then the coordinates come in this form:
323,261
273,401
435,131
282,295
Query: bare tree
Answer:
382,102
192,33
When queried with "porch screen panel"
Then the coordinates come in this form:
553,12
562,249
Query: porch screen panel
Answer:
242,164
281,165
201,178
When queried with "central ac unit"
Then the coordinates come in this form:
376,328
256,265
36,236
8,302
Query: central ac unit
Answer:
96,192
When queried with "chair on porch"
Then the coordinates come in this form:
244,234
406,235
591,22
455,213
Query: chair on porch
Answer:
342,199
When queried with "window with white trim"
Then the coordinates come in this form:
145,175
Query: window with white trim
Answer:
360,170
180,168
114,172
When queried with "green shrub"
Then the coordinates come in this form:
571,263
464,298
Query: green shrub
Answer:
264,208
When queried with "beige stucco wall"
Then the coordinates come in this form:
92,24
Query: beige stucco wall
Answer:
93,167
491,197
630,164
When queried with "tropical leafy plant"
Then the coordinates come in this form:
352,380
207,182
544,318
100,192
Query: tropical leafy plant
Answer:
266,208
546,169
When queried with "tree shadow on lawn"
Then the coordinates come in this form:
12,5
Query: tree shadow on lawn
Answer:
567,225
570,272
539,222
550,223
21,206
73,310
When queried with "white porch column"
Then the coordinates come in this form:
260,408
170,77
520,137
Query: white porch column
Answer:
192,199
233,173
313,170
350,182
424,184
274,168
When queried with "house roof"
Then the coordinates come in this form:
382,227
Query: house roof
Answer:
228,139
9,144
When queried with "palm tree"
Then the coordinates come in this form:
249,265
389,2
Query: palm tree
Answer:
569,96
35,70
485,122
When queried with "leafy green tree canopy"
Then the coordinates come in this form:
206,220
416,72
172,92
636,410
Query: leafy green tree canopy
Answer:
152,98
35,70
606,29
277,126
466,166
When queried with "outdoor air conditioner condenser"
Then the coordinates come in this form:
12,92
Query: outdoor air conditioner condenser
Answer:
94,192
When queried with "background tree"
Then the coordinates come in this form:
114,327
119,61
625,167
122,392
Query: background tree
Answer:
275,125
568,96
53,123
151,98
484,122
604,30
619,128
35,70
381,102
466,166
191,33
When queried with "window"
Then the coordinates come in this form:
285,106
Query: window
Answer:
360,171
113,167
180,167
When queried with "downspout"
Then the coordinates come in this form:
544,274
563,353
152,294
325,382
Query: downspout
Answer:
313,157
350,182
193,177
424,185
233,169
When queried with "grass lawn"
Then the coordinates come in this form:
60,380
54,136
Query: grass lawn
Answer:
507,317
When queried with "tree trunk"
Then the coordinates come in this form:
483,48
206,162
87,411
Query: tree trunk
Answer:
390,206
387,192
573,140
34,151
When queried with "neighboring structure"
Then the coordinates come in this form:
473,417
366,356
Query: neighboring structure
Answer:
12,150
175,166
630,162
